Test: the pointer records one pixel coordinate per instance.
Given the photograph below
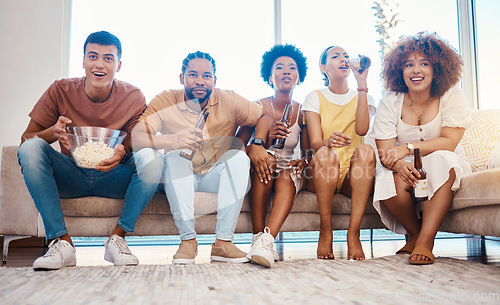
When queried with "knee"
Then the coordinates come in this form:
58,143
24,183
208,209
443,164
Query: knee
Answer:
239,158
174,157
326,157
150,159
365,154
32,149
147,155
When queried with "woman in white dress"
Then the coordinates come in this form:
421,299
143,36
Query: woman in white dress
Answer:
422,110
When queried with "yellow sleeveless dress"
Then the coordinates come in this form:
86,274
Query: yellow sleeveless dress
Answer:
340,118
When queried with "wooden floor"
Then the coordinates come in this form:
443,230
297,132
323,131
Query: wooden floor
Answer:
22,253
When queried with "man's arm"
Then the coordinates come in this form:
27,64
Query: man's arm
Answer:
54,133
143,136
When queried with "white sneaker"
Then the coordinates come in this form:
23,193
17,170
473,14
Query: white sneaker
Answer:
261,251
117,252
60,254
276,257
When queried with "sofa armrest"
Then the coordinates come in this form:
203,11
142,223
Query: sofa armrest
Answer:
18,214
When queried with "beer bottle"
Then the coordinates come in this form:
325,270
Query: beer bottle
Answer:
278,142
361,63
188,153
420,191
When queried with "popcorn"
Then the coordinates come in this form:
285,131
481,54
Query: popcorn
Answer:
90,154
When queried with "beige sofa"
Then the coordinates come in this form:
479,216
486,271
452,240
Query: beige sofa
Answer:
475,208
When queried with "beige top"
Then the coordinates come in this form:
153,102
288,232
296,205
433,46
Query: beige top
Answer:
168,113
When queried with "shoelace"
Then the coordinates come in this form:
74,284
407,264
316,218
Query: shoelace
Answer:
53,248
267,239
121,245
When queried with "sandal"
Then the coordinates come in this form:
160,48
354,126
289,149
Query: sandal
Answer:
420,250
408,248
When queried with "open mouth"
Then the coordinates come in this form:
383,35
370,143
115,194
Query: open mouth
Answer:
99,74
416,79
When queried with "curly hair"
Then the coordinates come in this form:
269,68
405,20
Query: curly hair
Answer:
283,50
446,62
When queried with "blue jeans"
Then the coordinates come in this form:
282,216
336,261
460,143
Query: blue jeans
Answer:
229,177
50,175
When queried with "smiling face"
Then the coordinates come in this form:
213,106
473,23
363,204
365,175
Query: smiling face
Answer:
336,63
198,80
101,64
418,73
284,74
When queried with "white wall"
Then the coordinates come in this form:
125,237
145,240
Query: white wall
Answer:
32,55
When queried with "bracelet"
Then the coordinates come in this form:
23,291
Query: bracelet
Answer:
363,89
305,160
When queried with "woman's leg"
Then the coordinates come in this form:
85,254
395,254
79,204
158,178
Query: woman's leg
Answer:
434,211
358,185
284,193
259,198
325,165
402,207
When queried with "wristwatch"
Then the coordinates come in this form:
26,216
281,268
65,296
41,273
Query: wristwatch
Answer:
410,147
257,141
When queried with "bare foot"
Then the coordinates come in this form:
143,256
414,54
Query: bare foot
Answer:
354,248
325,248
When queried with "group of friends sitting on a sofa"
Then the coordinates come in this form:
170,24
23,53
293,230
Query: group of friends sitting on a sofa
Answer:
238,148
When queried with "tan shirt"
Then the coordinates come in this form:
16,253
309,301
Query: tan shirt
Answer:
67,97
168,113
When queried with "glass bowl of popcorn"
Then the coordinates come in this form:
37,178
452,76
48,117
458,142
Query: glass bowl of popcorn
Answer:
91,145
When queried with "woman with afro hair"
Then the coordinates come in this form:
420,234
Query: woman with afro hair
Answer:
283,67
337,119
422,110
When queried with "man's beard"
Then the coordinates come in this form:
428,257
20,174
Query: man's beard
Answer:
201,100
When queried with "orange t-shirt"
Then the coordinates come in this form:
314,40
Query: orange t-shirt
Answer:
67,97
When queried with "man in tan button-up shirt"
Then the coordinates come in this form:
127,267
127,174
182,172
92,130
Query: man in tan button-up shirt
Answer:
169,124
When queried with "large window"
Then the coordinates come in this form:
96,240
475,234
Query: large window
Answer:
157,35
488,44
352,25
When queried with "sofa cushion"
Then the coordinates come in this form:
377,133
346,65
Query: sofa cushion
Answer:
478,189
481,138
494,160
205,204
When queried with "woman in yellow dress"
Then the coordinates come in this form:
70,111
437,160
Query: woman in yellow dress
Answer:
337,119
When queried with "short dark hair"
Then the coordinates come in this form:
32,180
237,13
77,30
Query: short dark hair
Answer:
197,54
446,62
283,50
106,39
